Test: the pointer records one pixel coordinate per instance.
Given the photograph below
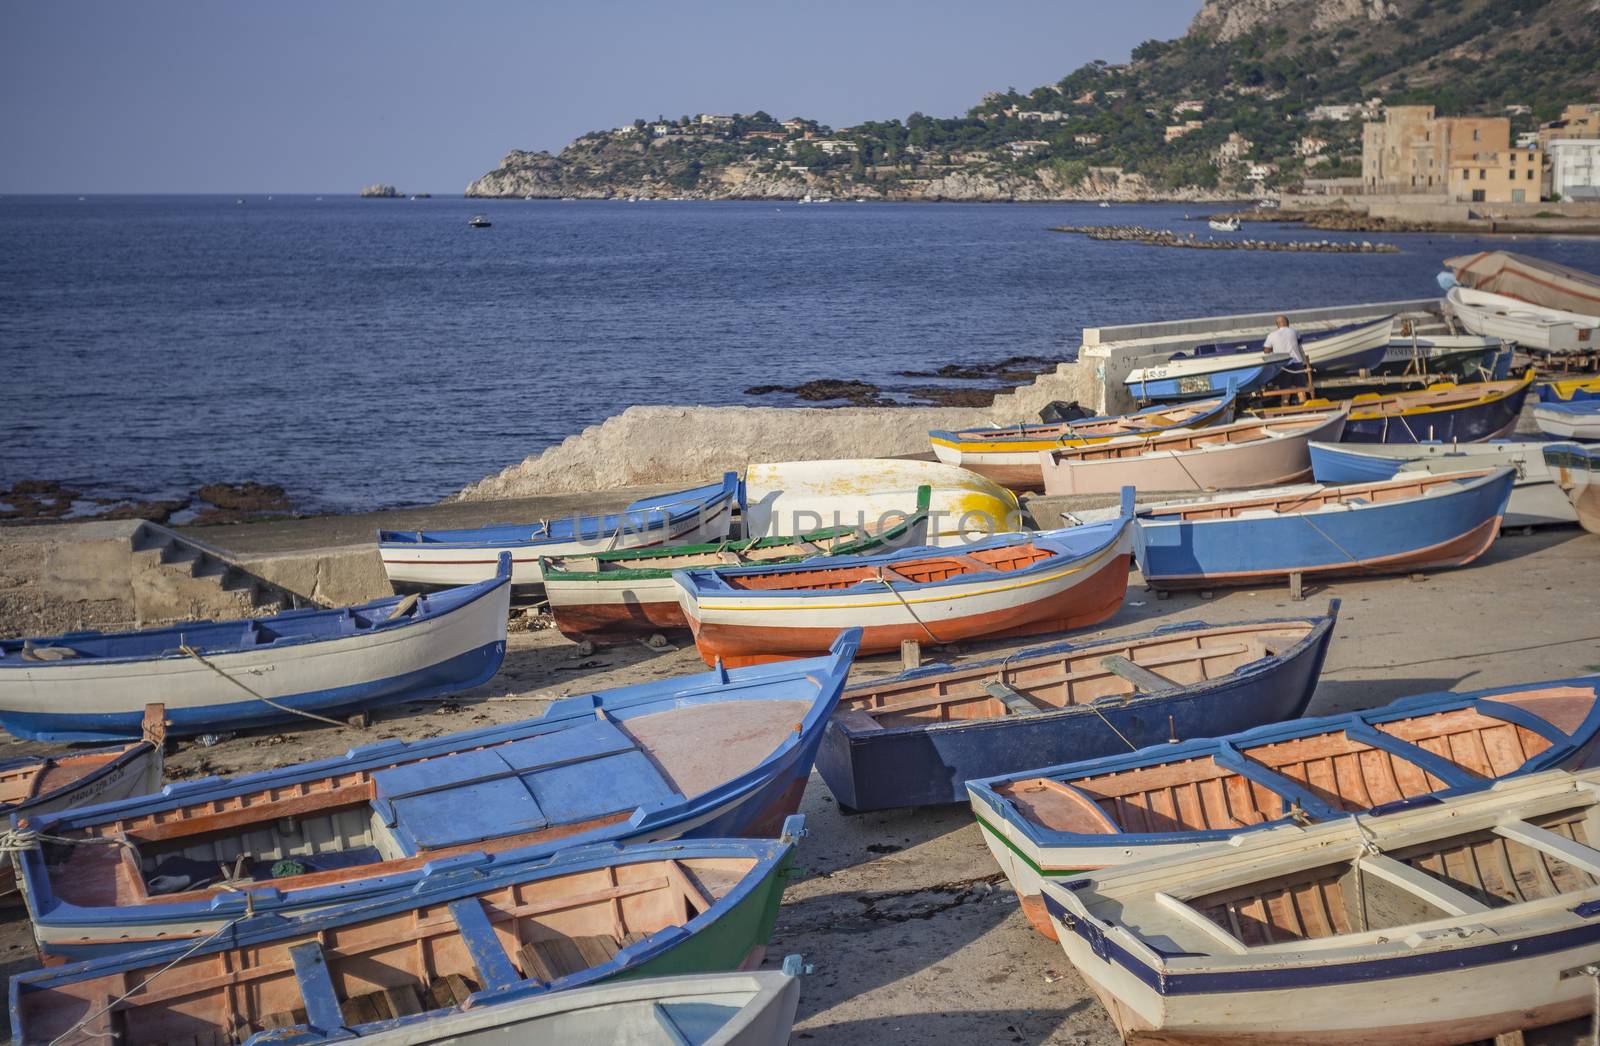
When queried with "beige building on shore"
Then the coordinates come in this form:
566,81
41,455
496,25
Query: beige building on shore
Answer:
1577,121
1502,176
1413,150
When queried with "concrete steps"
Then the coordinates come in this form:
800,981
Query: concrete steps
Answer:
178,578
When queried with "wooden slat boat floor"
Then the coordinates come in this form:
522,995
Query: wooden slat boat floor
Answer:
1065,679
1346,773
407,961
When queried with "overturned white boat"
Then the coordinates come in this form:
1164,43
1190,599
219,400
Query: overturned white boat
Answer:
1531,326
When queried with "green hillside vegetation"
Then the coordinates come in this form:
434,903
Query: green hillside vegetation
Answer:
1463,56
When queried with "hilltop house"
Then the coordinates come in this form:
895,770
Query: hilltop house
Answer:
1233,150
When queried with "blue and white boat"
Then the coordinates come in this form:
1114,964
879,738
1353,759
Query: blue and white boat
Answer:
918,737
234,675
1414,522
1574,419
1535,499
721,753
1170,799
427,559
480,934
1203,372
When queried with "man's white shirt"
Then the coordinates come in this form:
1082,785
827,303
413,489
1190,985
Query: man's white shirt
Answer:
1286,339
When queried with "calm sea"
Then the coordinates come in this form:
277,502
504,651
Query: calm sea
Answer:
367,353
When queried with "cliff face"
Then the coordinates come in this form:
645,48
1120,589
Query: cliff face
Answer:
1231,19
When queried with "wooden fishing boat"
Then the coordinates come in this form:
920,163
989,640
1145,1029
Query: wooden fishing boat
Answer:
718,754
1535,498
1528,279
234,675
1569,390
1531,326
1577,419
794,497
44,783
1447,923
1098,813
1443,412
1013,585
614,595
477,934
1205,372
1576,469
1414,522
1244,454
1461,356
1009,455
918,737
419,560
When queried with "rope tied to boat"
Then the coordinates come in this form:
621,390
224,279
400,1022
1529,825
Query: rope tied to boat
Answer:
935,640
108,1007
22,840
184,648
1351,556
1369,848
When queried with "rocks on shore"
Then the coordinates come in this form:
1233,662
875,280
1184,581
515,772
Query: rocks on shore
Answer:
382,192
45,500
1168,238
858,393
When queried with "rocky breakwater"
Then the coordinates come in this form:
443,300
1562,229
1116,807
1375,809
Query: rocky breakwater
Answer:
1168,238
382,192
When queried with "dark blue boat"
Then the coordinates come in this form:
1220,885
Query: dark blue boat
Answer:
1443,413
918,737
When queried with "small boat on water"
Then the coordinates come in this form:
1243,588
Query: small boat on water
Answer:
1166,800
794,497
614,595
1011,585
1445,413
1225,225
1531,326
1445,923
476,935
1576,470
1576,419
1535,498
1204,372
712,755
1244,454
426,559
918,737
1413,522
1568,391
1009,455
480,222
235,675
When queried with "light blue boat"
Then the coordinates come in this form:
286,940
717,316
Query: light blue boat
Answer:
1417,521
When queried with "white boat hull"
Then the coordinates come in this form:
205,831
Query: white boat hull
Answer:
1532,326
447,566
1568,424
323,673
789,498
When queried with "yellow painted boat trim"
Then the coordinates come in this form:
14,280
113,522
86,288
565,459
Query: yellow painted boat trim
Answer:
1357,414
812,605
1565,389
1021,445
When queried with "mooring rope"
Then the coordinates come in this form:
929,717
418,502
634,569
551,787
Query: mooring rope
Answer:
97,1014
1369,847
192,652
935,640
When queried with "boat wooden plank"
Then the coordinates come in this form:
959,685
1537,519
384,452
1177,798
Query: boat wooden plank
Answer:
1423,885
1014,701
1552,843
1215,933
1143,679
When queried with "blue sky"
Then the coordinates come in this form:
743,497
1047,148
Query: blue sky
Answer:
167,96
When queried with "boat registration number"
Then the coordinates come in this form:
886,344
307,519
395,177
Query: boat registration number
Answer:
1194,384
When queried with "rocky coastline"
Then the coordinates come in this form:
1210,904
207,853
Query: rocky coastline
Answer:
52,501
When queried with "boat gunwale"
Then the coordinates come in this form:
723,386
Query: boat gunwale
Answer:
1319,629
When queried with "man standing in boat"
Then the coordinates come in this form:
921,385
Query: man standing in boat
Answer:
1287,340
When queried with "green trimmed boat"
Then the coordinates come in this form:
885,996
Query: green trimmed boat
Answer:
478,932
612,596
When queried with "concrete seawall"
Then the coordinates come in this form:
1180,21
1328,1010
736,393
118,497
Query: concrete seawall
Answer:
692,445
